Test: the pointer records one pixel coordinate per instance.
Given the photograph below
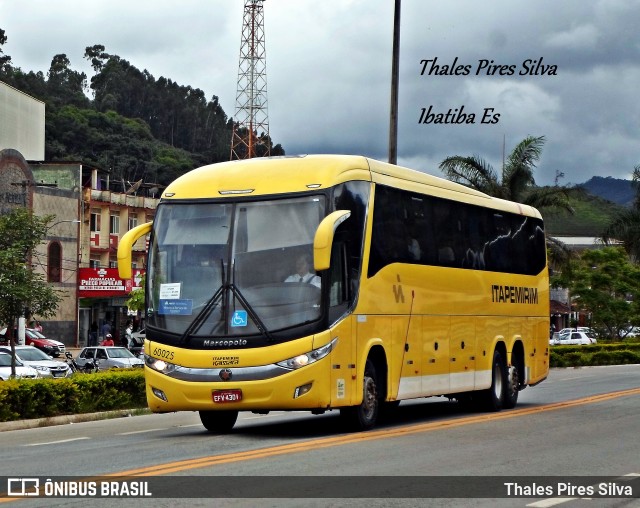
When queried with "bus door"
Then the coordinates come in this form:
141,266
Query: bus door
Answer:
435,351
343,365
343,357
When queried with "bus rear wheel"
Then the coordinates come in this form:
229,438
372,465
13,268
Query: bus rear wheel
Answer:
512,388
218,422
365,415
493,399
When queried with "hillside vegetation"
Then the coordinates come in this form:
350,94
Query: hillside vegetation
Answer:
125,120
592,215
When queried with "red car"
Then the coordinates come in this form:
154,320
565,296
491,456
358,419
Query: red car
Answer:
36,339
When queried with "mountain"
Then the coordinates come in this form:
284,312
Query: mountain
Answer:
592,215
612,189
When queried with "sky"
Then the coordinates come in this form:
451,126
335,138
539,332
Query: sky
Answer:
329,71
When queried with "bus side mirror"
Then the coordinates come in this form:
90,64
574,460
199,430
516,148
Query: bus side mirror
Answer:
125,245
323,239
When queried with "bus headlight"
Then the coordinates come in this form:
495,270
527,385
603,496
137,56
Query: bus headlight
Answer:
307,358
159,365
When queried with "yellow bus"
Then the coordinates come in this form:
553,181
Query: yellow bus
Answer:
332,282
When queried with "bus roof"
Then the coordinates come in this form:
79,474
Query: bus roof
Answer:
289,174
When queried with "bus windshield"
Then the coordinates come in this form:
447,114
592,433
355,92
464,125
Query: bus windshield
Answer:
233,269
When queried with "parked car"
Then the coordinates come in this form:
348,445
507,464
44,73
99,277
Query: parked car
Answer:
49,346
140,334
22,371
109,357
43,363
586,329
34,338
575,338
137,347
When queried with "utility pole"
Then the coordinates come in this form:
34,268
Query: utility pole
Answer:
395,64
251,123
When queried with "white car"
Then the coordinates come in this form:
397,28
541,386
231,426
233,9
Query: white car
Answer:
575,338
22,371
109,357
43,363
566,331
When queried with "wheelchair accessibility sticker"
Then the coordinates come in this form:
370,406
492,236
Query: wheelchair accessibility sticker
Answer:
239,318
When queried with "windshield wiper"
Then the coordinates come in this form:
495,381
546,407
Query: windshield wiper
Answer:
202,315
250,310
211,304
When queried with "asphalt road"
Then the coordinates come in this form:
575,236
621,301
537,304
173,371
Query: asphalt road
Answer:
580,424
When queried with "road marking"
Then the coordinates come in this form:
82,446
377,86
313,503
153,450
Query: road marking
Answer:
270,415
57,442
553,501
305,446
545,503
139,432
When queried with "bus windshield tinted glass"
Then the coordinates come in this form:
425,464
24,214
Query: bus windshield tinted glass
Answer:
225,270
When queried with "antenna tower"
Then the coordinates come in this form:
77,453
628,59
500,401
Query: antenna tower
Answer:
251,124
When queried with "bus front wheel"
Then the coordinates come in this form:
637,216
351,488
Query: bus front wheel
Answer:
218,422
364,416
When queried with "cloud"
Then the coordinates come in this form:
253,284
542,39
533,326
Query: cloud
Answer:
329,64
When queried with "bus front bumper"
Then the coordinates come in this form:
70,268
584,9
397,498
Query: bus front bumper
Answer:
306,388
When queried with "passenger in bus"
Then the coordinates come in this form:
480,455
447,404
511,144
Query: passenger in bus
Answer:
302,273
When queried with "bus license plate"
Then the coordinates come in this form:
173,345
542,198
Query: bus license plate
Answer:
224,396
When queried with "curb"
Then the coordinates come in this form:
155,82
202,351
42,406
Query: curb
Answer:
64,419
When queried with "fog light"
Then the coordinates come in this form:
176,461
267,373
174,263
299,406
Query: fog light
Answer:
159,393
301,390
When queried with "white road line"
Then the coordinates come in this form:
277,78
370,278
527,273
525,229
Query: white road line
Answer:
58,442
553,501
545,503
139,431
270,415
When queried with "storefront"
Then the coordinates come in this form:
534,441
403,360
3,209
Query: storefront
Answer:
103,296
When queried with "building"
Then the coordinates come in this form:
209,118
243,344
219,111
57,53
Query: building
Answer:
78,256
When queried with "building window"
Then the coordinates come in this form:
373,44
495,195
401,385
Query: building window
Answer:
95,220
113,264
114,228
54,262
94,263
133,222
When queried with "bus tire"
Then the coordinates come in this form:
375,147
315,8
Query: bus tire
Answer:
512,388
493,398
365,415
218,422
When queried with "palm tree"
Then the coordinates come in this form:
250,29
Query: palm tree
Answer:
625,227
517,182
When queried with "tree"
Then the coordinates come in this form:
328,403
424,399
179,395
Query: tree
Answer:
605,284
20,286
5,60
136,297
625,227
516,183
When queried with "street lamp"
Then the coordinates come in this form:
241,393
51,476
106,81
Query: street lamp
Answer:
395,65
